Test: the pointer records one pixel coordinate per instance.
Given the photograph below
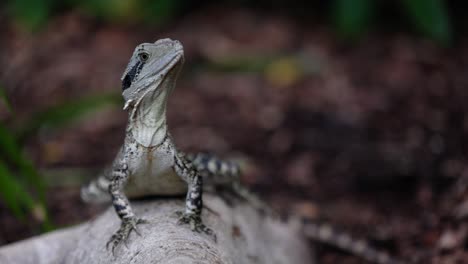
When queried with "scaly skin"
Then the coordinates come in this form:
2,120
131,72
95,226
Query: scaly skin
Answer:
148,163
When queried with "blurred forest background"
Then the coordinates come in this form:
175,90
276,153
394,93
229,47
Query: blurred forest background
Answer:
350,111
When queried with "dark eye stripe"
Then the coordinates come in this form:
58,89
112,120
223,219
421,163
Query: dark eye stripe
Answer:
131,75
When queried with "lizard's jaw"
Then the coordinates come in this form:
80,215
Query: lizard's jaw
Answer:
137,104
159,78
148,121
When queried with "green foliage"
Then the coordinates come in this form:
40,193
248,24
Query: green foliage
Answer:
13,192
17,176
351,17
112,10
11,151
22,188
430,17
4,99
66,113
31,14
158,11
135,11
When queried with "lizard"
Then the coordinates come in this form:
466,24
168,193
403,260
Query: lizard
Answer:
149,163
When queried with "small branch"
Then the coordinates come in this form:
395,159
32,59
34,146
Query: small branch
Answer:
243,236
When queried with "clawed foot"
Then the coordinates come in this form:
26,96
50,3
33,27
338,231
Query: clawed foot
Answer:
126,227
195,223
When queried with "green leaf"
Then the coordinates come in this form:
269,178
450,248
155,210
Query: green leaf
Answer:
158,11
67,112
111,10
13,193
14,189
13,153
32,14
430,17
4,99
351,17
17,199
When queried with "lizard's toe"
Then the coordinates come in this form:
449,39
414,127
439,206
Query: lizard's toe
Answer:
195,223
126,227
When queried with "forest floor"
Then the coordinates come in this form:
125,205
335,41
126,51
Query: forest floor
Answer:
370,137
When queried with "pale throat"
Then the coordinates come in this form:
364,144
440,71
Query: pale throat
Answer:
149,127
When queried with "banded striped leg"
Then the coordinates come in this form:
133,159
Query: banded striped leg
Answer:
97,191
226,174
193,201
122,207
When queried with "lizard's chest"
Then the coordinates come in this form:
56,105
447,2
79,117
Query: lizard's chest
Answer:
151,171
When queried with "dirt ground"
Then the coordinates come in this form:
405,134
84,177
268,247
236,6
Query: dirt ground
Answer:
370,136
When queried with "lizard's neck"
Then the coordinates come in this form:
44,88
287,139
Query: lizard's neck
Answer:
148,125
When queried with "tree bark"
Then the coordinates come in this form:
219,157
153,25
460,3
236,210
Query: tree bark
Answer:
243,236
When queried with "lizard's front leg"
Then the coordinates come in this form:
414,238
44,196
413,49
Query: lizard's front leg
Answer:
119,177
193,201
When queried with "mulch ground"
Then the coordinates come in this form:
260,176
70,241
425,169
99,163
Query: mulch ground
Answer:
370,136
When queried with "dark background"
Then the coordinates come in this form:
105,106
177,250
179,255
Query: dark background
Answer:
349,111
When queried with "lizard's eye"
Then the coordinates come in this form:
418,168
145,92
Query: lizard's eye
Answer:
143,56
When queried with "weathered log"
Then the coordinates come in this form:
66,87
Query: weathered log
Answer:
243,236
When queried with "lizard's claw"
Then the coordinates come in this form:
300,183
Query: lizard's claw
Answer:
126,227
195,223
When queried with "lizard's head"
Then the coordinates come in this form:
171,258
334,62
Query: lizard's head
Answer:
151,66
